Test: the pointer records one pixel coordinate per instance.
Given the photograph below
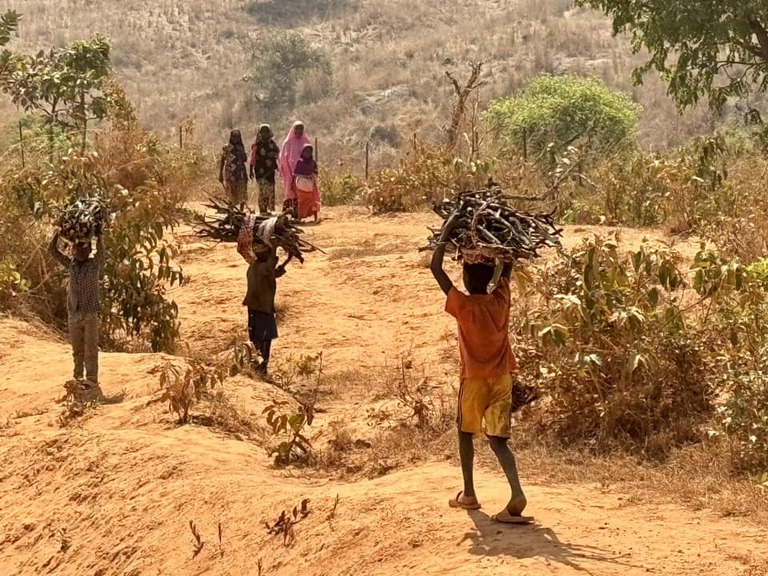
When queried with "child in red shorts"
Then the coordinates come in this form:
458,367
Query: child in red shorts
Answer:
487,363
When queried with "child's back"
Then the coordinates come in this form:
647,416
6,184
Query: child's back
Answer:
483,322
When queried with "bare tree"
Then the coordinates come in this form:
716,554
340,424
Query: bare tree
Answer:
463,92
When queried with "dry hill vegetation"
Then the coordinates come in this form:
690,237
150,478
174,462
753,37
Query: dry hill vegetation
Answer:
387,61
643,343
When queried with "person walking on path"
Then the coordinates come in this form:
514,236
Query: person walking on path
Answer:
305,185
83,306
290,153
233,173
487,363
263,165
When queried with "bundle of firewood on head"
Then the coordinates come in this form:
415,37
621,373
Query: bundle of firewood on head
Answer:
231,223
489,230
83,219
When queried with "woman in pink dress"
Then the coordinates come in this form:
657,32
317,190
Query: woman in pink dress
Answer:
289,155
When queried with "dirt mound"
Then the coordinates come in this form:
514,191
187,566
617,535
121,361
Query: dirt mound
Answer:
115,491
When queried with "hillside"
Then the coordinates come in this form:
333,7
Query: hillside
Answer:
388,60
113,492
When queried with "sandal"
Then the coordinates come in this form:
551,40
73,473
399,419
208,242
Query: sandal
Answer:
464,503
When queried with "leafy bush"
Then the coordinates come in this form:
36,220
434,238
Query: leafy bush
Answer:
139,263
279,61
565,111
609,347
184,387
340,189
11,282
425,174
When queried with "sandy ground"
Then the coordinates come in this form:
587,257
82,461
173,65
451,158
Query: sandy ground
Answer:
114,493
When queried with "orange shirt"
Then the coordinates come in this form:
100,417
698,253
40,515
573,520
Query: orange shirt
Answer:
483,331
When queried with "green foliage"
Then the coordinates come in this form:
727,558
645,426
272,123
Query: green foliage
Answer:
11,281
184,387
296,447
424,175
65,85
340,190
611,348
565,111
279,60
716,50
9,23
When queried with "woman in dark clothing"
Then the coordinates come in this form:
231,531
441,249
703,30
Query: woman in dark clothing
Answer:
232,171
264,155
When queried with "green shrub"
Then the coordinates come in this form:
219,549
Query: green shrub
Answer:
566,111
339,190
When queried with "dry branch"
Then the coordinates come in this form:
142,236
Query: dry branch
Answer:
490,227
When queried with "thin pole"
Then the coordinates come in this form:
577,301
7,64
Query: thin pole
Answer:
21,144
367,152
181,136
316,154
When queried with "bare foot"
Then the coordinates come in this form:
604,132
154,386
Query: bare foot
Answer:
516,505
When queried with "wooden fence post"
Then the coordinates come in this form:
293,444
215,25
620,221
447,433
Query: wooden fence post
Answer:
21,144
316,152
367,153
181,136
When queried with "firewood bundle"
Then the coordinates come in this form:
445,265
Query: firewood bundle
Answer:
82,219
490,229
229,218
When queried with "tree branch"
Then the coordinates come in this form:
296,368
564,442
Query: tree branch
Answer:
762,38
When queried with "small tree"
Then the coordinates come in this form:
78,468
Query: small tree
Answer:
65,85
278,63
702,49
566,111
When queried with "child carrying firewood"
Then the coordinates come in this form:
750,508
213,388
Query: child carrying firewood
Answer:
83,306
487,364
263,272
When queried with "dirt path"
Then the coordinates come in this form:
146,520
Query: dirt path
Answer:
114,493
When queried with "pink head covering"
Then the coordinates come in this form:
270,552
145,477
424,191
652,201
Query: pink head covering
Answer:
289,156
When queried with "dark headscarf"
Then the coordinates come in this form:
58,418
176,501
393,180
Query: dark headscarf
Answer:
269,136
306,166
235,138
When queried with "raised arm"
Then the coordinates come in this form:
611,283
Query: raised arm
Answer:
222,160
437,269
280,270
58,255
506,271
437,257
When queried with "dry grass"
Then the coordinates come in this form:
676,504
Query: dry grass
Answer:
699,477
182,59
366,249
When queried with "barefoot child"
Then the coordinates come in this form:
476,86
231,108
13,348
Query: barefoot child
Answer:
487,361
260,300
83,306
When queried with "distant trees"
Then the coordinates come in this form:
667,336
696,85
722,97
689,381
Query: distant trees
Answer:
712,50
279,61
66,86
563,111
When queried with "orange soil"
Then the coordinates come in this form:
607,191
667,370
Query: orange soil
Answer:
114,493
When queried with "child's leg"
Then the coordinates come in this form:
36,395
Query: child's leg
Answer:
498,426
467,457
265,350
506,458
469,421
91,347
77,339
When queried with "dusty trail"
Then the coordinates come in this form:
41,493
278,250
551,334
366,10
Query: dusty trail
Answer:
113,494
